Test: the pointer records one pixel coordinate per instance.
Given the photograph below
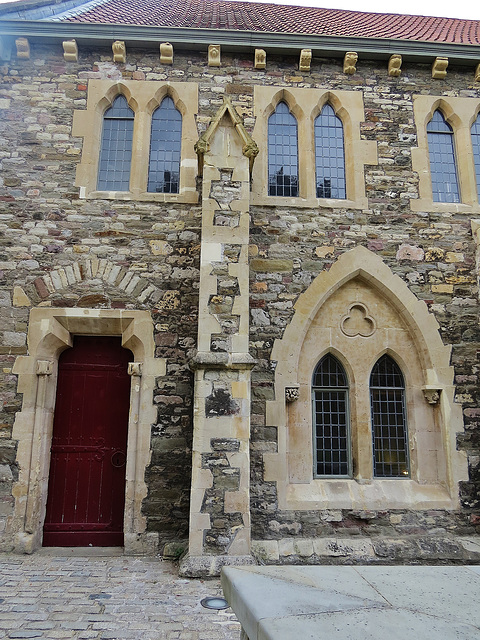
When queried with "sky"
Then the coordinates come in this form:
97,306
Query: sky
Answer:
467,9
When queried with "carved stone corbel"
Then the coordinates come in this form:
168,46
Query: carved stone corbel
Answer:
70,50
23,48
305,60
431,394
350,62
260,59
292,393
119,51
439,68
135,369
477,73
44,367
395,65
166,53
214,55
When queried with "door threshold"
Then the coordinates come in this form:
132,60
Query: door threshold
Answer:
90,552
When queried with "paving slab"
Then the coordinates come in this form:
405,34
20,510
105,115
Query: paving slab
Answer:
355,603
83,595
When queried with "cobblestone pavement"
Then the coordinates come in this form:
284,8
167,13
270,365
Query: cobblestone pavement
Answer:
49,596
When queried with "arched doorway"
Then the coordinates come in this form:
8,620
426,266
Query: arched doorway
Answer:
86,489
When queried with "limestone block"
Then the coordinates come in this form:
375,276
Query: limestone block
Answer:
265,550
119,51
305,60
166,53
23,48
439,68
70,50
261,59
350,62
395,65
477,73
214,55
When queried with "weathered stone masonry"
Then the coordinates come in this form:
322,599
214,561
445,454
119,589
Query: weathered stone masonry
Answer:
62,251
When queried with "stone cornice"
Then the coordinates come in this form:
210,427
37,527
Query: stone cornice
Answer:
321,46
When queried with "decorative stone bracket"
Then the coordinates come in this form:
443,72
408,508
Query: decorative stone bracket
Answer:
44,367
135,369
432,394
292,393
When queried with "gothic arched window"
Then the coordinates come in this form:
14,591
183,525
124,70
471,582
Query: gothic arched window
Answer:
443,167
165,148
282,153
389,424
116,149
331,425
329,155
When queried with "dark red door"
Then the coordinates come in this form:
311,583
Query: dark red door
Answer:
86,491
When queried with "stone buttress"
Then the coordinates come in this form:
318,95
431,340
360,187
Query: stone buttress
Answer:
220,495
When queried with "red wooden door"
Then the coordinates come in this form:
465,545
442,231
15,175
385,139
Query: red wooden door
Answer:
86,491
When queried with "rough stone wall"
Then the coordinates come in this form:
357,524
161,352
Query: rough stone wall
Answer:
61,251
432,252
45,227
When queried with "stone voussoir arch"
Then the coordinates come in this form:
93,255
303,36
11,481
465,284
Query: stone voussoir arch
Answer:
436,376
114,275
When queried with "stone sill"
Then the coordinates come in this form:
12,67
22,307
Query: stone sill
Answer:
187,197
308,203
350,494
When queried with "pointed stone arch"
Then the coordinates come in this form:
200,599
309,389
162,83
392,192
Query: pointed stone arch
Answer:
407,331
50,332
249,146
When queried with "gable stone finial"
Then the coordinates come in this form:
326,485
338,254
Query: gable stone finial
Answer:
249,146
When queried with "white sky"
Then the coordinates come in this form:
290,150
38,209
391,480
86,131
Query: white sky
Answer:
468,9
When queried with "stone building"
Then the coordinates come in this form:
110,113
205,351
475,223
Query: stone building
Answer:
239,283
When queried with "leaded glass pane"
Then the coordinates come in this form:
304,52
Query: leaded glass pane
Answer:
282,153
116,150
389,427
165,147
476,150
442,160
329,155
330,417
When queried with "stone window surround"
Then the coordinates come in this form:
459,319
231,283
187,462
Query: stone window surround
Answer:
143,98
426,368
460,113
306,104
50,332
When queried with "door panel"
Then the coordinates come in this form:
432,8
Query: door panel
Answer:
86,492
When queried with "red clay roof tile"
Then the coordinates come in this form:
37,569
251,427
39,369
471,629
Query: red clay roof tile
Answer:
246,16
